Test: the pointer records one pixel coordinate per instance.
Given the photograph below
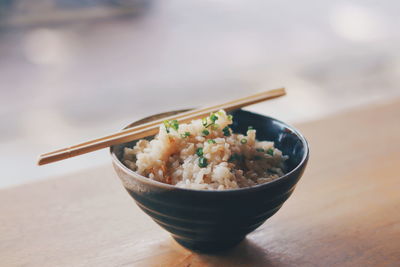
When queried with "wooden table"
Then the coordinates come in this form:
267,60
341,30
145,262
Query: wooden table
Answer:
344,212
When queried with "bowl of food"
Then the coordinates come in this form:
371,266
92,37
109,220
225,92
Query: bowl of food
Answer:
212,181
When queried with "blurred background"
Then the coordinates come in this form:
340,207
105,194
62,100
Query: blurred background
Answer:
71,70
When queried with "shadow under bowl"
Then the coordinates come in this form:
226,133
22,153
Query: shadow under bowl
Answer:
209,221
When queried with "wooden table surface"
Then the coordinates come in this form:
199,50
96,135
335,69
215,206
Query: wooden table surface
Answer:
344,212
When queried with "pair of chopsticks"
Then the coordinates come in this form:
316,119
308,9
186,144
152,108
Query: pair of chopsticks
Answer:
151,128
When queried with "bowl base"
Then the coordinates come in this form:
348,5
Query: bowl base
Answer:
208,246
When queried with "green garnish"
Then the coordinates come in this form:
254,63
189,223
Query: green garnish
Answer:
230,117
171,124
204,121
257,157
226,131
260,150
199,151
203,162
175,125
243,141
186,134
213,117
234,157
167,125
205,132
211,141
270,151
250,128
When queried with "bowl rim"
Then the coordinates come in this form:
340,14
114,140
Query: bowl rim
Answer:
278,180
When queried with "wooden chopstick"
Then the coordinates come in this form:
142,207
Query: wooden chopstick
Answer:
151,128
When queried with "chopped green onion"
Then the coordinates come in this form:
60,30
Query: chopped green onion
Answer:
234,157
213,117
199,151
175,125
204,121
226,131
211,141
203,162
243,141
171,124
270,151
167,125
260,150
205,132
250,128
230,117
186,134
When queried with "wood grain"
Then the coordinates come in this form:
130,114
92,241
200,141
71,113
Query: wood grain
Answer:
344,212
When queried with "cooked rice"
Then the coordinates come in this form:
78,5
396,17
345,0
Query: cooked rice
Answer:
233,161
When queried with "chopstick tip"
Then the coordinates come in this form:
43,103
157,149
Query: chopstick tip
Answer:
40,161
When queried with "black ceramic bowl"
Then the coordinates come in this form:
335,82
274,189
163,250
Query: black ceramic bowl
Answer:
215,220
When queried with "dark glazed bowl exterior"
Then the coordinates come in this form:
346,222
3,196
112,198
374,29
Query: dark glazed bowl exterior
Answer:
214,220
